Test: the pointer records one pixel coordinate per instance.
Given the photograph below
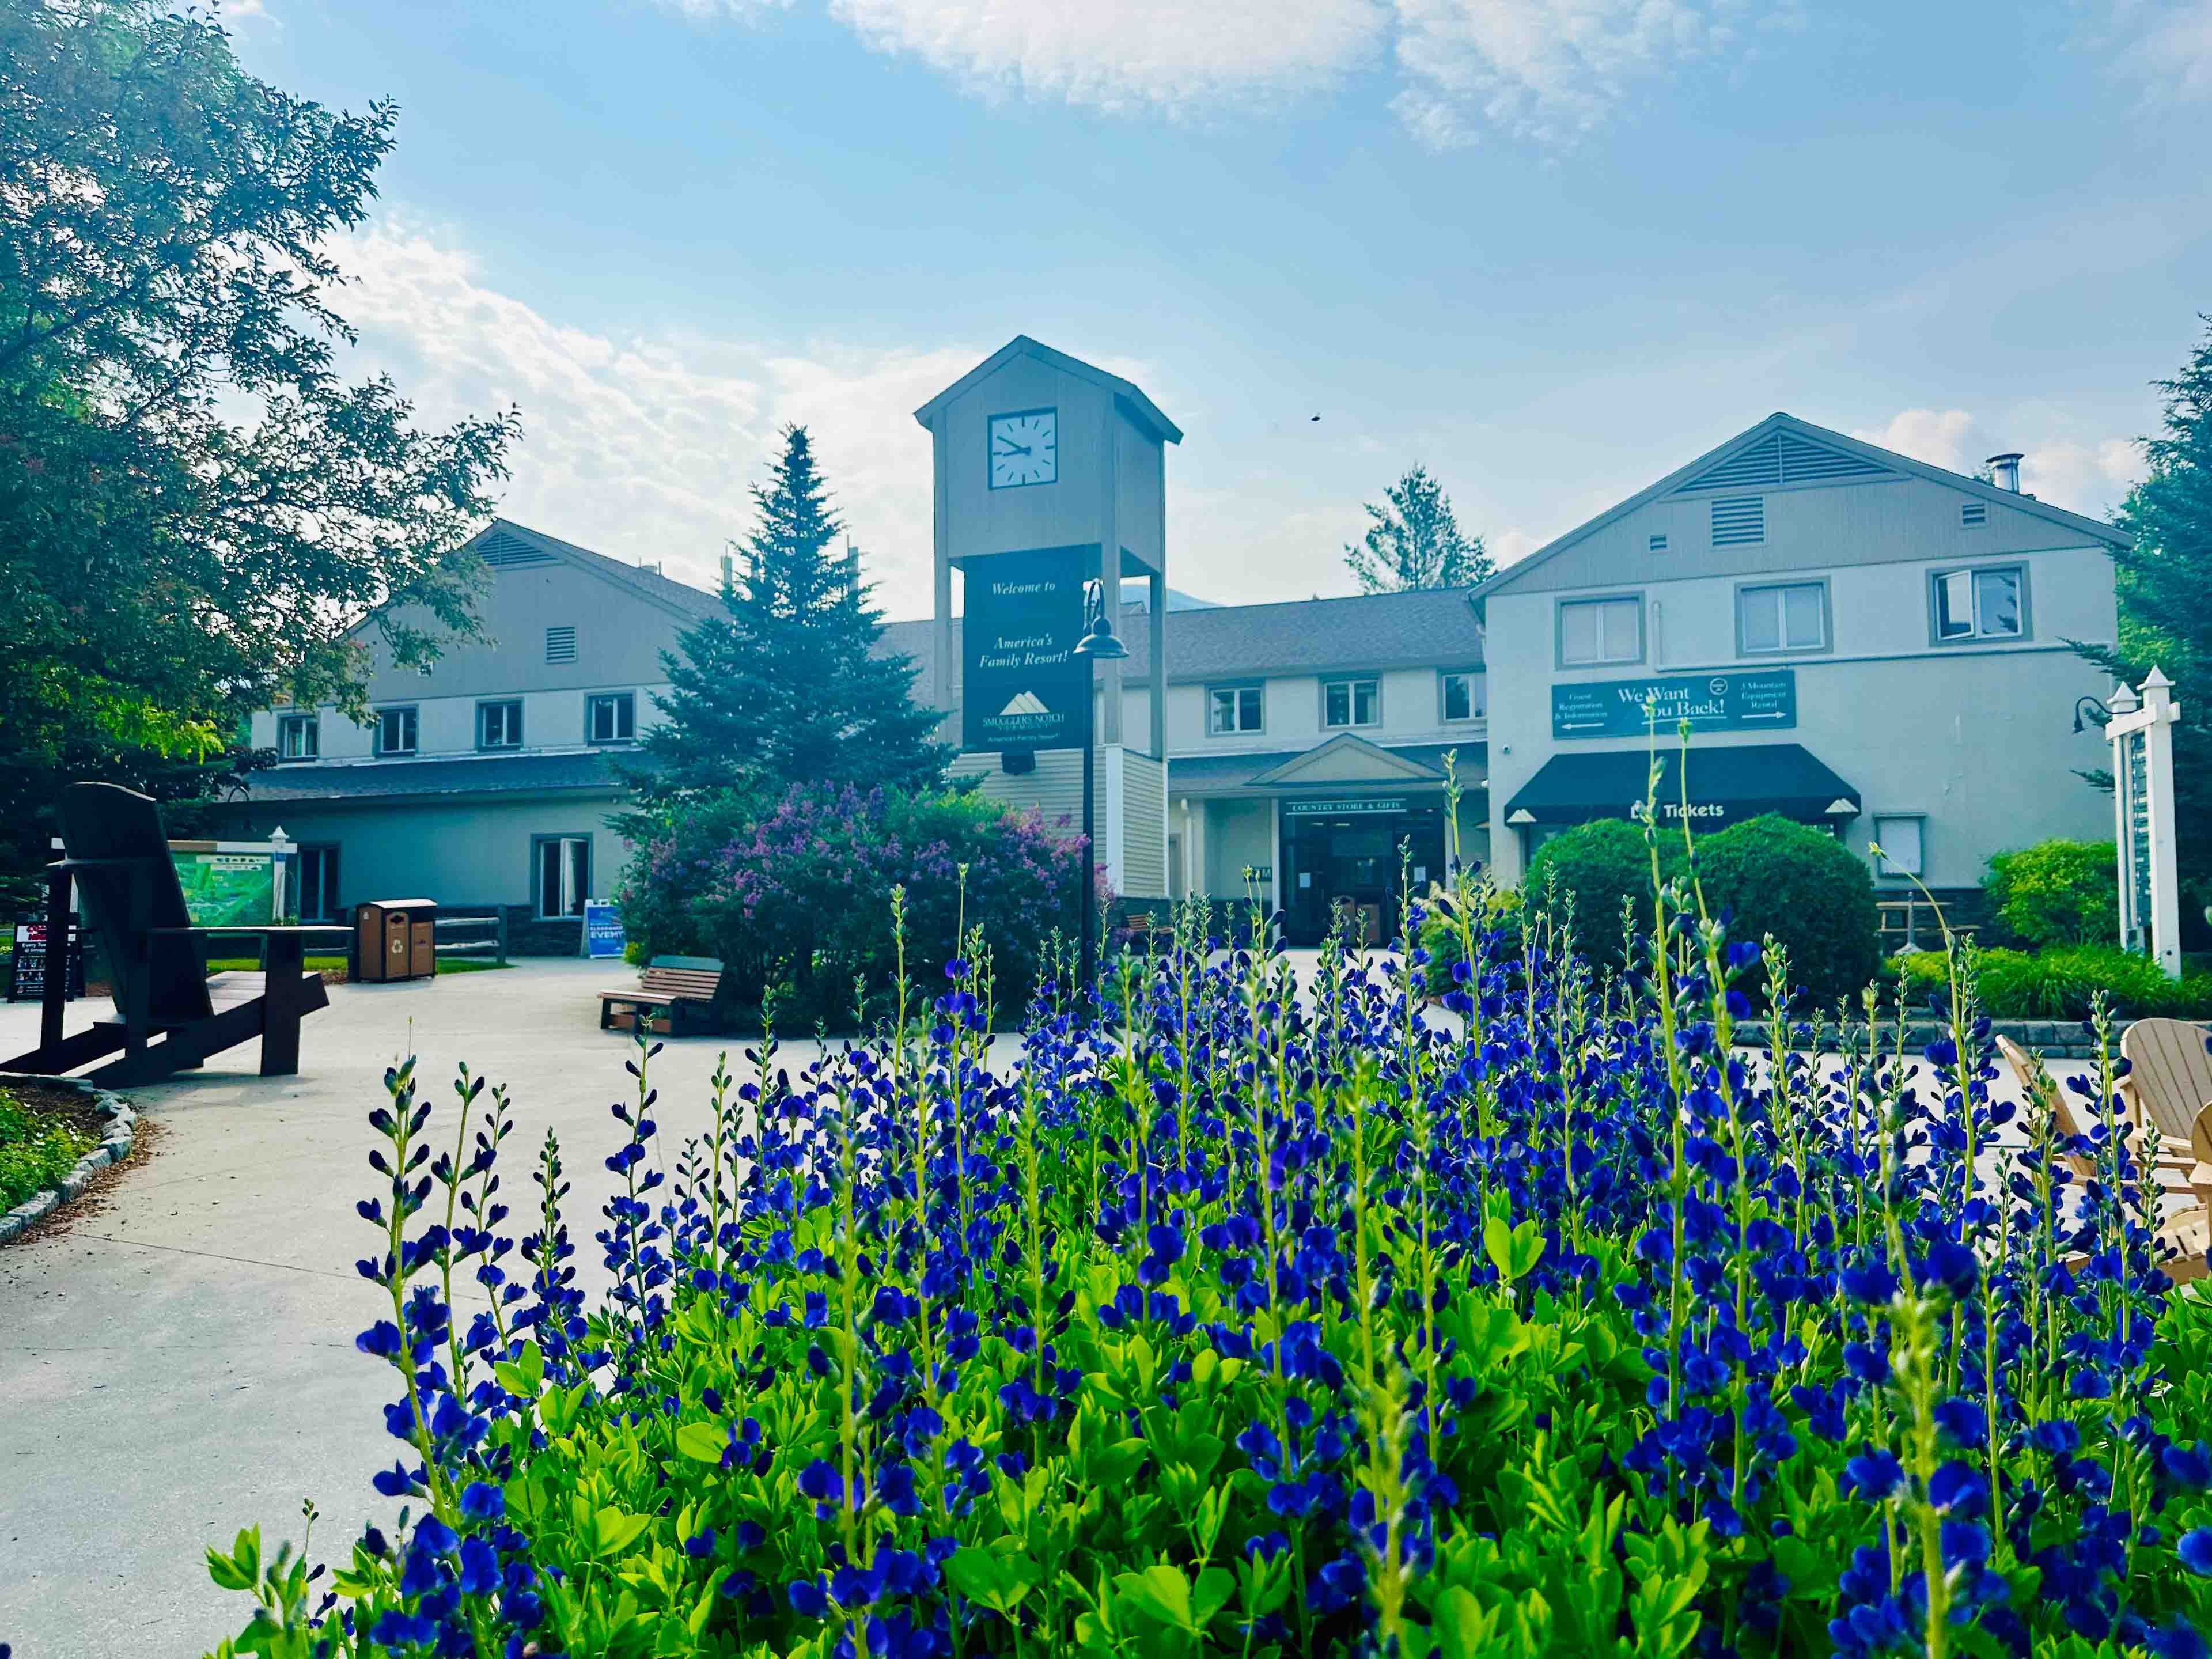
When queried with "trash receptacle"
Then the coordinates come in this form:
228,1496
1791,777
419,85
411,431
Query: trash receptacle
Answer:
395,939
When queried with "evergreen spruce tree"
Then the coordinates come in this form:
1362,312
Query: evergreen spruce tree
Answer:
2165,588
787,685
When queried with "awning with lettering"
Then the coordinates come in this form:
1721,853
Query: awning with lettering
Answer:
1728,784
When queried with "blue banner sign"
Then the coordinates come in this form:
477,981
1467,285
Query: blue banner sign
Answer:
603,931
1766,701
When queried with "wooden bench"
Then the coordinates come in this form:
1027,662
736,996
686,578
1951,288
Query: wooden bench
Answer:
680,986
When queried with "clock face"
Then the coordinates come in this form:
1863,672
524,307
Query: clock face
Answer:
1024,448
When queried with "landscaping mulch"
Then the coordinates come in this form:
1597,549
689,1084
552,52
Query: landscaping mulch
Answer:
145,1140
47,1100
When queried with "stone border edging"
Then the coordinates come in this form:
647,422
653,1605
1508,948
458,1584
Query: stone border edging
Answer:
2055,1039
114,1146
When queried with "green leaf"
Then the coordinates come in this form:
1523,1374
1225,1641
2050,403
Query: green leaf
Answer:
615,1530
225,1572
1163,1593
1461,1628
703,1442
1514,1251
997,1582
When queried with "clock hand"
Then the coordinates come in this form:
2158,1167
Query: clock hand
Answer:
1013,449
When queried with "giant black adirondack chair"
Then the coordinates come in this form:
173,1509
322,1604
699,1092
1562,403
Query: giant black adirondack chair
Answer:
171,1016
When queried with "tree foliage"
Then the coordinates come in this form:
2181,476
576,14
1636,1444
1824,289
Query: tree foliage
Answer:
197,509
789,684
1413,540
2165,583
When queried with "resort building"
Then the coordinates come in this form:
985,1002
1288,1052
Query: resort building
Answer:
1858,640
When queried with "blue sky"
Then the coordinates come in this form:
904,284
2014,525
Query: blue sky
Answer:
1552,248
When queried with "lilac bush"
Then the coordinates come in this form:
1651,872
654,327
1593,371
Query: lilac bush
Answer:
1225,1320
794,899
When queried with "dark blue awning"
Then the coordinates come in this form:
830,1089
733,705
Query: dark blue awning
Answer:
1727,784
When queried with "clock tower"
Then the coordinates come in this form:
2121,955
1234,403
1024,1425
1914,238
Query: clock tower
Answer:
1049,473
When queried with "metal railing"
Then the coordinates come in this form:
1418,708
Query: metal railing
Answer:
495,945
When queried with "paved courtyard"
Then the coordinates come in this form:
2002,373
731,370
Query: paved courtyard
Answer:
179,1362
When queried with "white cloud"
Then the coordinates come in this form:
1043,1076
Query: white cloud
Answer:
643,449
2088,475
1121,54
1545,69
2165,45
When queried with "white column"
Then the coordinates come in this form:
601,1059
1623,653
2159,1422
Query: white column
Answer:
1113,813
2142,805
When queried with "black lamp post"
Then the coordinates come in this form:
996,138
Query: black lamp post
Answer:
1099,644
2097,712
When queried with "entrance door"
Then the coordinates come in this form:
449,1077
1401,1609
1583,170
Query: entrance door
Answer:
564,875
1356,863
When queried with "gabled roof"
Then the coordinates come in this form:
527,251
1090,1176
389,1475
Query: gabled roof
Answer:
1798,452
1346,758
503,544
1140,407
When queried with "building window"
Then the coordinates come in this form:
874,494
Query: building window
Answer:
563,873
498,725
1788,616
1462,697
1989,602
611,718
1594,631
1350,702
1899,838
560,645
395,731
318,883
298,736
1739,520
1231,709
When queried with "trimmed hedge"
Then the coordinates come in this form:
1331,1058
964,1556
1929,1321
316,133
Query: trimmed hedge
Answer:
2057,892
2056,984
1771,874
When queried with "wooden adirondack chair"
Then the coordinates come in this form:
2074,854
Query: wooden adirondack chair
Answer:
170,1014
2169,1082
2185,1230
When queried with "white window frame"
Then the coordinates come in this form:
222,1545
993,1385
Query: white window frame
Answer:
626,701
1352,683
1749,593
412,715
310,726
507,739
1978,632
1600,603
1896,870
1475,709
1236,694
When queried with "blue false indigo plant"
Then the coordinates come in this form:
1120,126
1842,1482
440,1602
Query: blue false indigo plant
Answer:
1541,1319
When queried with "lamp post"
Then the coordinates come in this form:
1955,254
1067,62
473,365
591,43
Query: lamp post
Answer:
1099,644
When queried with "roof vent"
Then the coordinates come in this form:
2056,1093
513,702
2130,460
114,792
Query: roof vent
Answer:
1739,519
503,551
560,645
1658,541
2004,471
1783,458
1973,513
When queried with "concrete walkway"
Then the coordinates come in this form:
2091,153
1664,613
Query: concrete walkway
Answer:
179,1362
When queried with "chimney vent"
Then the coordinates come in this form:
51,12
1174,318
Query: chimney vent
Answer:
729,571
2004,471
853,568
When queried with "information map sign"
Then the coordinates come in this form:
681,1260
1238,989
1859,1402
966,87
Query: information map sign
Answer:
1024,686
1711,702
230,884
26,973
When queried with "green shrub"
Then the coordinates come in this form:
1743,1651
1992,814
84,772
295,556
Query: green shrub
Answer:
35,1151
1598,865
2057,892
1806,888
2057,984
